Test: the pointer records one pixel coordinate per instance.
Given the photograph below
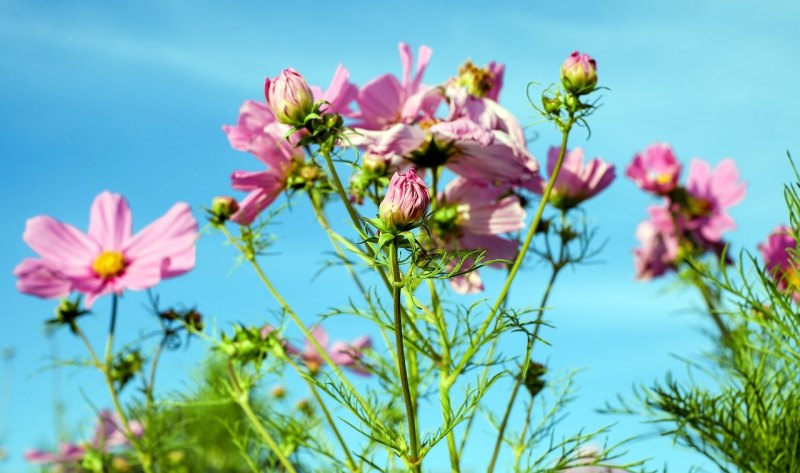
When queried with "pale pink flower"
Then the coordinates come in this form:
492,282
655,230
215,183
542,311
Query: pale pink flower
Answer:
252,122
339,94
289,97
264,186
657,254
67,453
655,169
472,217
406,201
109,258
342,353
35,277
577,182
779,254
487,156
385,101
579,73
711,193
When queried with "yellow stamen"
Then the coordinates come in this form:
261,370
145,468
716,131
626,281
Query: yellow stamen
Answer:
109,264
664,178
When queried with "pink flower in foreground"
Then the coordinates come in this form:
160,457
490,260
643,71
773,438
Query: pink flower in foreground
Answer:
342,353
779,256
711,193
406,201
579,73
472,217
577,182
289,97
109,258
385,101
655,169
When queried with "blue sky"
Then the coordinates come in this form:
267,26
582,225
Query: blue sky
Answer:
131,96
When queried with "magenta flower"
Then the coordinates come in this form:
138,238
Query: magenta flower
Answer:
264,186
385,101
779,254
406,201
109,258
655,169
472,217
711,193
579,73
289,97
340,93
344,354
658,252
67,453
577,182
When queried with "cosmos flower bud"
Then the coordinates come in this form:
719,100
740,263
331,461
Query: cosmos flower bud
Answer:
579,73
374,164
223,207
406,201
289,97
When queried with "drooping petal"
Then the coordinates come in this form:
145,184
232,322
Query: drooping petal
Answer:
110,221
254,203
36,278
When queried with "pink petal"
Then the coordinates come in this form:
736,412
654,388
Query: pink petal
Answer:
380,101
110,221
61,245
254,203
725,184
36,278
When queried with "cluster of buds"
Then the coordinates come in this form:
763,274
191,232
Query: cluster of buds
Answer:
578,78
692,217
247,344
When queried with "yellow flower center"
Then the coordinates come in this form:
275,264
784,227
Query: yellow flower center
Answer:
109,264
664,178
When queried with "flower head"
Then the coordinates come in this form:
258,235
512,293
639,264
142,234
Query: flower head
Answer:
345,354
779,256
710,194
579,73
109,258
406,201
577,182
657,254
289,97
655,169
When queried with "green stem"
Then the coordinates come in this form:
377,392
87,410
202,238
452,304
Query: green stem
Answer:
242,399
249,254
712,306
401,360
470,352
524,371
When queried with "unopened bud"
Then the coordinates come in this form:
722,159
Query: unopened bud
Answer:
222,208
552,105
579,73
374,164
278,392
406,201
289,97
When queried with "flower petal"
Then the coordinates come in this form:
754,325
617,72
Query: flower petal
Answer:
110,221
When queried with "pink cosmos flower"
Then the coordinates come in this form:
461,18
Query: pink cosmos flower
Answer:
385,101
487,156
577,182
345,354
587,456
109,258
472,217
264,186
655,169
107,436
779,256
657,254
406,201
711,193
256,118
289,97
